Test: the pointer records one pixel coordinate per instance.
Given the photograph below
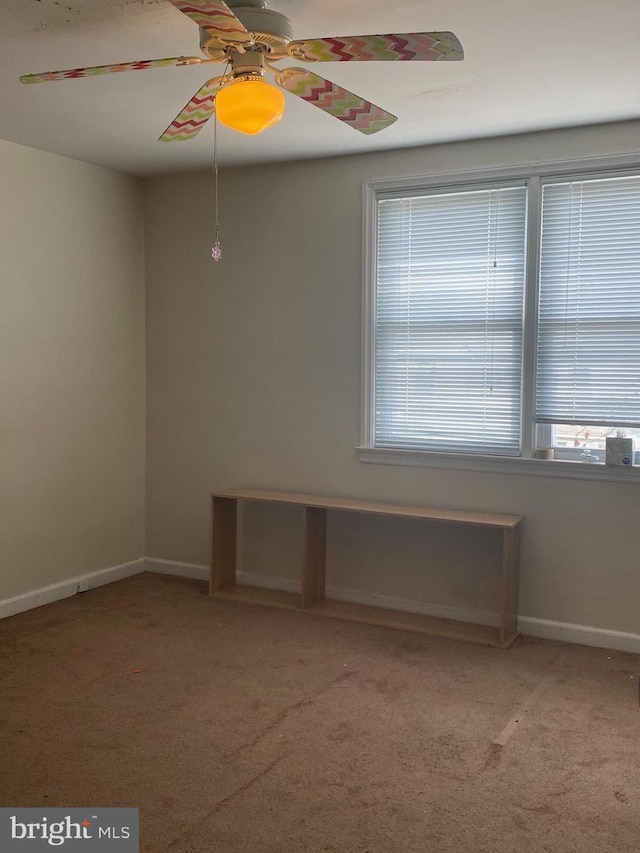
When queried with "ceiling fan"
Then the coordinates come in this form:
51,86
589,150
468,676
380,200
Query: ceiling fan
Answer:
249,38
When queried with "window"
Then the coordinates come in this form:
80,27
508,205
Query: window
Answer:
502,316
449,321
587,381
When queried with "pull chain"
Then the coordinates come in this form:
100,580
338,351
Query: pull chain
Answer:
216,251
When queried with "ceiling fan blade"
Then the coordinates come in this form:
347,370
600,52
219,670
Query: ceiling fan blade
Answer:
353,110
195,114
422,47
216,18
110,69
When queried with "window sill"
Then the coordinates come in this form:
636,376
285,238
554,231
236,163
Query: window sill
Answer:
501,465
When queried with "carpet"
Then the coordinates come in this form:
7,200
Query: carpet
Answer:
243,729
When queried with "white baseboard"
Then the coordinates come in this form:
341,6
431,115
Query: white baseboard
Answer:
581,635
441,611
183,570
545,629
67,588
199,572
269,582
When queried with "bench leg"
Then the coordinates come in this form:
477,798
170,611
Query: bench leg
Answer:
510,572
315,555
224,523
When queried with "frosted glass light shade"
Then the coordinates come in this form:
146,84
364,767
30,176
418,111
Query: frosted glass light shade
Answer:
249,105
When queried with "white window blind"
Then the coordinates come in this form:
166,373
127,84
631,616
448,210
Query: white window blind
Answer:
589,304
449,321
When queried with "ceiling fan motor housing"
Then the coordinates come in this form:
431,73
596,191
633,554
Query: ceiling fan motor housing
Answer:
271,31
247,64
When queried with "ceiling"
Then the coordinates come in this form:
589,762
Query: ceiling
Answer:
529,65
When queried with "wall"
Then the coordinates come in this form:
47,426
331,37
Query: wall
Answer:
254,380
71,370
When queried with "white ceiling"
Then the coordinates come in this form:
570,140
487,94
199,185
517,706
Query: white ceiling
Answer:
529,65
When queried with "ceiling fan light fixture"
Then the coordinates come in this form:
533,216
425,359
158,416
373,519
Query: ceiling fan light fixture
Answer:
249,104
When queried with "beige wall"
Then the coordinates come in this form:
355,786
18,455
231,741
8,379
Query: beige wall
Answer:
71,369
254,379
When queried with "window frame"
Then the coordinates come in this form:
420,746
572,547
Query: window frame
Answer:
534,176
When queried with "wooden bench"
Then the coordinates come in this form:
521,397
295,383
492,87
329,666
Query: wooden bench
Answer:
224,514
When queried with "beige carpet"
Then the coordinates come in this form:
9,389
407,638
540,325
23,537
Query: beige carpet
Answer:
262,731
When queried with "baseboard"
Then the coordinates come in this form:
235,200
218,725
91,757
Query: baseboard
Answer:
387,602
581,635
194,571
441,611
67,588
269,582
199,572
545,629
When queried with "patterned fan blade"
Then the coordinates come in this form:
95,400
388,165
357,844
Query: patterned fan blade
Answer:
338,102
424,47
196,113
110,69
216,18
